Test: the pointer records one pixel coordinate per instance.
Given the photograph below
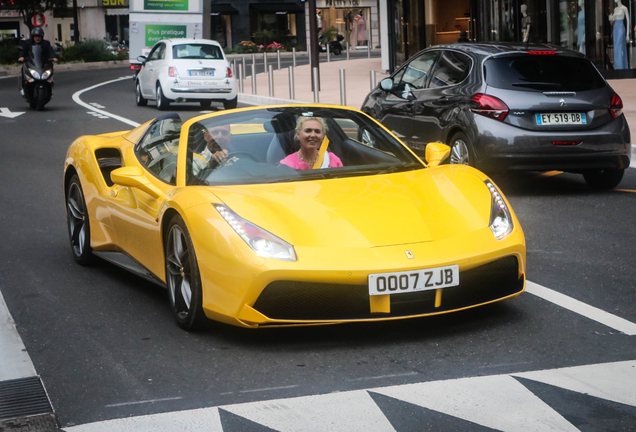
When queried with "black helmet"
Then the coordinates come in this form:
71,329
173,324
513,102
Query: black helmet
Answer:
37,32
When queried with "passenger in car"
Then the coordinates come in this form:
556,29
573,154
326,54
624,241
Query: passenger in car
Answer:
311,134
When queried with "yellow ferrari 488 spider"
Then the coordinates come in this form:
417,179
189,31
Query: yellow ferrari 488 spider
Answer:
291,215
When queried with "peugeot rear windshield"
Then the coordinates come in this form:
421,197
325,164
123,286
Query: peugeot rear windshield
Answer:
542,73
197,51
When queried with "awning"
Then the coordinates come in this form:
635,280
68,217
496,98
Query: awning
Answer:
110,11
277,7
223,9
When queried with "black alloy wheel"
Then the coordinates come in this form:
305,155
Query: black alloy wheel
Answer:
182,277
163,103
139,98
604,179
79,231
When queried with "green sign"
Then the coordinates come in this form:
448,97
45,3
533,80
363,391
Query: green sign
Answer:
154,33
167,5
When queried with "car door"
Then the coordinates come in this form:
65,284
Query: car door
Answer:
145,74
135,213
436,107
397,106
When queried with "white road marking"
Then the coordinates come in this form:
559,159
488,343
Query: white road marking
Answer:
76,98
14,359
595,314
268,389
383,376
6,112
498,402
601,380
348,411
143,402
96,105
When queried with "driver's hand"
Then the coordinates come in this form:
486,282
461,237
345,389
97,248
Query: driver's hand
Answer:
21,59
55,60
219,156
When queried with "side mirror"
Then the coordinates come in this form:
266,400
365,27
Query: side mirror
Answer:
436,153
141,59
134,177
386,84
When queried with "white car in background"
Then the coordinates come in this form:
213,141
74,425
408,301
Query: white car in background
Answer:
186,70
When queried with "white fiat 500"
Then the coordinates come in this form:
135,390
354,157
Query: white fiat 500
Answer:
186,70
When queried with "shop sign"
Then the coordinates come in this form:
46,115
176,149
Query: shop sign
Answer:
342,3
166,5
154,33
114,3
9,14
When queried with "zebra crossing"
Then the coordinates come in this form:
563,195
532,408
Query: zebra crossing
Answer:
580,398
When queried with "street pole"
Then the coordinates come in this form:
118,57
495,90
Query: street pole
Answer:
314,59
76,34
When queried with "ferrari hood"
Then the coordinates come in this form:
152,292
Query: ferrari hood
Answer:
371,211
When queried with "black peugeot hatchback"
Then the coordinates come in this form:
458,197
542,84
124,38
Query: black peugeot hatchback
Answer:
508,107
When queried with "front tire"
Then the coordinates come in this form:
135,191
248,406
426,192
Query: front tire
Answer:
163,103
182,277
139,98
604,179
461,150
230,104
79,231
40,98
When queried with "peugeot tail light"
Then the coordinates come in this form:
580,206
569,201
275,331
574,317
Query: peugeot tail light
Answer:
172,71
229,72
489,106
616,106
541,52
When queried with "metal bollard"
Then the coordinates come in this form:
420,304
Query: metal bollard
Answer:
343,88
315,77
240,78
328,53
372,79
253,79
264,61
368,50
234,66
244,68
294,57
270,72
291,82
347,50
278,55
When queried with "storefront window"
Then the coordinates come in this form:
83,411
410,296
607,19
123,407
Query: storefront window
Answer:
572,18
222,29
352,23
268,27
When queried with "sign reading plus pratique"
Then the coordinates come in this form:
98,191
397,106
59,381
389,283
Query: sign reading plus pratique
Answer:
166,5
155,33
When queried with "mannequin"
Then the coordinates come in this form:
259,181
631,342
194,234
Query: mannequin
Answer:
361,28
525,22
621,39
580,28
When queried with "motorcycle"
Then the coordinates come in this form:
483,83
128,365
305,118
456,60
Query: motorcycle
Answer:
335,46
36,80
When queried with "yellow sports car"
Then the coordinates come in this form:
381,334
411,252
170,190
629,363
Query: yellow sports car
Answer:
291,215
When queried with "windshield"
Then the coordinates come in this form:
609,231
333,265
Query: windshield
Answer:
277,144
36,56
542,73
197,51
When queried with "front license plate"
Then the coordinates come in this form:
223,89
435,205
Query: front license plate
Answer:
414,280
201,73
561,119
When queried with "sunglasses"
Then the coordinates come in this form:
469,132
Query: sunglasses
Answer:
222,132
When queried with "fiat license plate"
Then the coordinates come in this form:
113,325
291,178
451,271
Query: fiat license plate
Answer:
201,73
561,119
414,280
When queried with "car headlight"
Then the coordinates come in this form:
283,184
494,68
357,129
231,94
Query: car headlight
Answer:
265,244
34,73
500,217
46,74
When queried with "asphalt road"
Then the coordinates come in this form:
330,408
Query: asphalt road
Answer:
104,341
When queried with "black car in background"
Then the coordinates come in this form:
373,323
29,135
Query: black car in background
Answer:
508,107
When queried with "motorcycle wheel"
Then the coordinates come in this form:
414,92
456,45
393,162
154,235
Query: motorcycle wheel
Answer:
40,98
337,51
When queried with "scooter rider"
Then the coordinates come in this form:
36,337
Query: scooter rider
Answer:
37,37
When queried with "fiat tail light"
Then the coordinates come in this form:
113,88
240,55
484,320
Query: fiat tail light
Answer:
172,71
488,106
229,72
616,106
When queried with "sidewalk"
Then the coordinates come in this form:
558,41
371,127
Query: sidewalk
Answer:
357,80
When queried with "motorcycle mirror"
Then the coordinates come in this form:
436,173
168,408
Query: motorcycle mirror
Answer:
386,84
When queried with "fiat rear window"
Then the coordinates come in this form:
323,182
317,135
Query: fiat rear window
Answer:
542,73
197,52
